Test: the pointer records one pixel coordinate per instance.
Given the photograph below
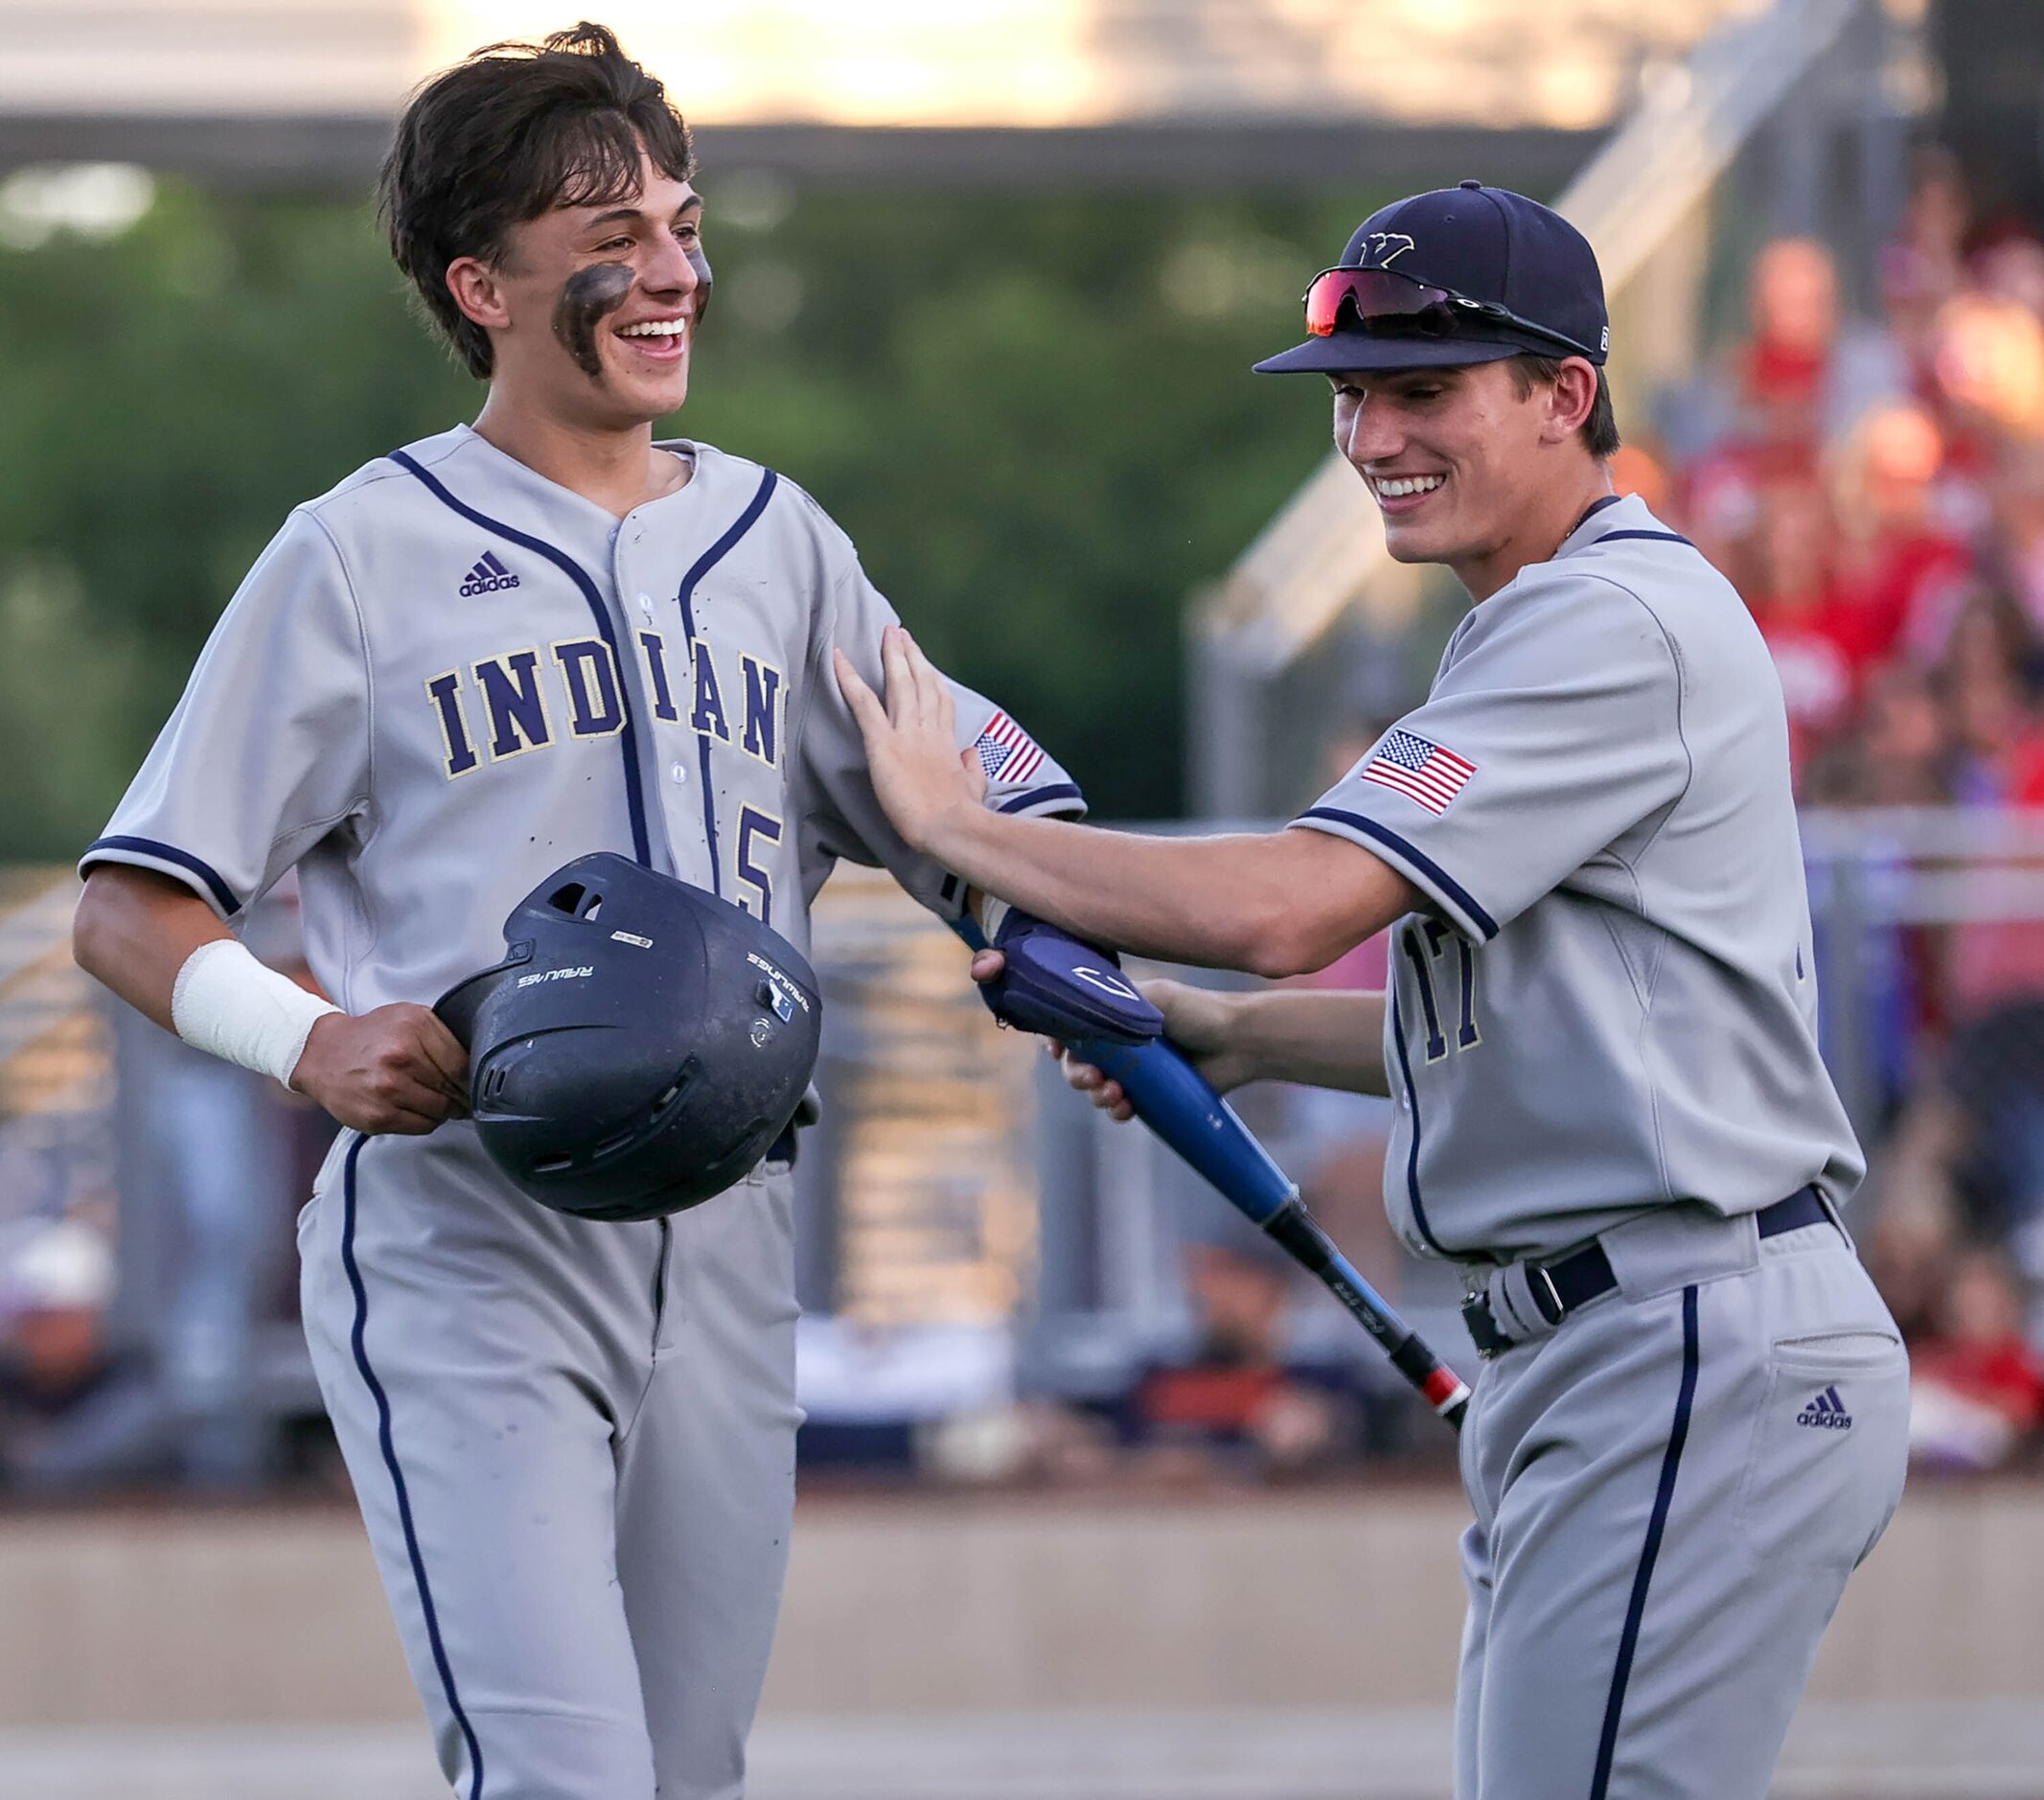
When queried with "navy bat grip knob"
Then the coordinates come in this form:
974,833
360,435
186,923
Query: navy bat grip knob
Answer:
1054,984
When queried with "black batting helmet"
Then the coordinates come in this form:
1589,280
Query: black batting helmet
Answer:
640,1047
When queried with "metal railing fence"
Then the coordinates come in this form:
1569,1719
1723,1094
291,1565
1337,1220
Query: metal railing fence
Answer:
956,1202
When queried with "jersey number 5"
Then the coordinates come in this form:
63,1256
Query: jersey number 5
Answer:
1422,959
754,825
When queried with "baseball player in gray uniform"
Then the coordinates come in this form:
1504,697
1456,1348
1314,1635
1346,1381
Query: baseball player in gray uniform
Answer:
1600,1035
477,657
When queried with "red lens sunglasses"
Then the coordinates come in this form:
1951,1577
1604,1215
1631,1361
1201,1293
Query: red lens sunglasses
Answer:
1374,295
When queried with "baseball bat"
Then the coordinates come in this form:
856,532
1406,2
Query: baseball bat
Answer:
1178,1103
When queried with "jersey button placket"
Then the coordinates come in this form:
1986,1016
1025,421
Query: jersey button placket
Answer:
629,598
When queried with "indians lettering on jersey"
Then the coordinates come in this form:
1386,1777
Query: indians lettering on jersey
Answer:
523,699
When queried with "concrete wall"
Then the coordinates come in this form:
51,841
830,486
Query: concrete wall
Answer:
927,1605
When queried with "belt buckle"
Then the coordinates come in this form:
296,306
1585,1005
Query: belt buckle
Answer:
1490,1342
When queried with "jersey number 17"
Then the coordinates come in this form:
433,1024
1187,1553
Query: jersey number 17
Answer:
1423,955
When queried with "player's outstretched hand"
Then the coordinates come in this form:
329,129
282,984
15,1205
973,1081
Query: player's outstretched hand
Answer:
397,1068
912,753
1199,1021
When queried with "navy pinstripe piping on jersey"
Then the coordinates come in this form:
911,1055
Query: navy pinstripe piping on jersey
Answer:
1038,796
171,853
1651,537
628,740
1419,860
385,1438
1656,1525
1411,1102
683,596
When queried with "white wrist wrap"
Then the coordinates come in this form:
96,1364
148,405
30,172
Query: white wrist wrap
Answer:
992,914
227,1004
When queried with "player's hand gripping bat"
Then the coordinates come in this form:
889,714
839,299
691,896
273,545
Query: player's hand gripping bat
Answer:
1056,986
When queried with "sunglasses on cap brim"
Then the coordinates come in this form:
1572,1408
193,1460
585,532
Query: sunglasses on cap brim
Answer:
1372,299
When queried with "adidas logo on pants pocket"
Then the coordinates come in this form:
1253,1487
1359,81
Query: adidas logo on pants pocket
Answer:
1826,1413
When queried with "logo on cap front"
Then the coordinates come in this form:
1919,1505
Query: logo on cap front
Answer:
1385,247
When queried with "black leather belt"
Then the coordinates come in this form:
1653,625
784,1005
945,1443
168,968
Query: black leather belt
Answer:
1570,1281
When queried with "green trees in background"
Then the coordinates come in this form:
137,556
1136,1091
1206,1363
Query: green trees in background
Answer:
1034,414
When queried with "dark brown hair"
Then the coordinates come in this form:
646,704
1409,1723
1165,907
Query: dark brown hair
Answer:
512,131
1600,430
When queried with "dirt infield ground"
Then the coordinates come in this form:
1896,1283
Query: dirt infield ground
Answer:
1990,1750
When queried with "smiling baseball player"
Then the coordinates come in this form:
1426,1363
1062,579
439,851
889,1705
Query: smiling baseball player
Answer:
1601,1035
479,657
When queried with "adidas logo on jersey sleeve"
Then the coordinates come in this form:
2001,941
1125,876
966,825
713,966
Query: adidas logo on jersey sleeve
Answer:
1826,1413
487,577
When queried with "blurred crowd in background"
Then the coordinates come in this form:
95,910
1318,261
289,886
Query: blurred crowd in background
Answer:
1874,488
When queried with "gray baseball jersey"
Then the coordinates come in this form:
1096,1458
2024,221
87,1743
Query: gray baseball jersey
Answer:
573,1441
1610,1001
1603,1024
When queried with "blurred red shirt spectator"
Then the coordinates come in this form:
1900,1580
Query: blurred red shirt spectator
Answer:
1977,1388
1892,564
1819,647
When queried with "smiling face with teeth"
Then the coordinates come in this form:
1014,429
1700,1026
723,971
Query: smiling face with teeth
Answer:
1471,466
592,310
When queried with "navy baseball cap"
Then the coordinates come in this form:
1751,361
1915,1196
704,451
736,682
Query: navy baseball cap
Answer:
1463,274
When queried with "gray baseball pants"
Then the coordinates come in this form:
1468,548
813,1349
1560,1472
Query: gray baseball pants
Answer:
573,1443
1670,1490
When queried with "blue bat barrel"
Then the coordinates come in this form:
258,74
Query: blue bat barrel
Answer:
1179,1104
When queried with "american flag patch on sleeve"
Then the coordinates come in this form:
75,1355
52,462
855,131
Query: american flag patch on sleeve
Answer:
1424,773
1006,751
